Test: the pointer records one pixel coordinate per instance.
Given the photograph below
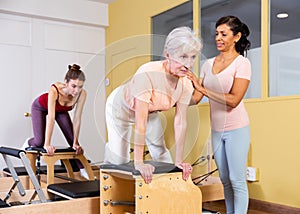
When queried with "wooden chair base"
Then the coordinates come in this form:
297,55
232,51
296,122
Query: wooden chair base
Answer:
126,192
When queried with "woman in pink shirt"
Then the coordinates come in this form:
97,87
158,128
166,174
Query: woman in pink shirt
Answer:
224,80
156,86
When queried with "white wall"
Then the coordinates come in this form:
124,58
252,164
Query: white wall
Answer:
85,12
38,40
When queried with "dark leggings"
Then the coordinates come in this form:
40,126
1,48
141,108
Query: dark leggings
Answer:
39,116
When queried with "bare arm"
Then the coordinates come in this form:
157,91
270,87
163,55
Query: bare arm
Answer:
77,120
52,97
141,116
233,98
197,95
180,127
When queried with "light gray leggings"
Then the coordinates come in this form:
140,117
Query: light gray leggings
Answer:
230,153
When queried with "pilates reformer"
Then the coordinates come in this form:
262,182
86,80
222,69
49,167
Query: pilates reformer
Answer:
6,152
64,154
71,190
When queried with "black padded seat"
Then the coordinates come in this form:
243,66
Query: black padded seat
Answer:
3,204
57,150
20,170
160,167
77,189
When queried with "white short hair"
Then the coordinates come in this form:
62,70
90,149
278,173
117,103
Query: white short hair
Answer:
182,40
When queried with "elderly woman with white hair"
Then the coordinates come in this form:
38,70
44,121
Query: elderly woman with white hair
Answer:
156,86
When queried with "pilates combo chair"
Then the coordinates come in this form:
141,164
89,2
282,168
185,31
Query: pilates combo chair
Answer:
123,190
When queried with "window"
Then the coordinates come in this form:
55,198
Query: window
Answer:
163,23
249,12
284,59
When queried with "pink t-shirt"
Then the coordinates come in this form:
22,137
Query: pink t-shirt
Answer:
149,84
225,118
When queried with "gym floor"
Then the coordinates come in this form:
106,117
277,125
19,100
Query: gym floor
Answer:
220,207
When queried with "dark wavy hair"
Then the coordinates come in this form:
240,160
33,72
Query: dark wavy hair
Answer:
235,24
74,73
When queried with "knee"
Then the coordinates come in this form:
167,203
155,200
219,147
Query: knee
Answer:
114,157
163,157
36,142
238,184
225,179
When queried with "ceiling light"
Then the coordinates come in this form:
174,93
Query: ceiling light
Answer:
282,15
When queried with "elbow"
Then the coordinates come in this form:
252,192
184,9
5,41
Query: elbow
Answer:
233,104
233,101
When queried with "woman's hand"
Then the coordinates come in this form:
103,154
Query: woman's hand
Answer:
146,171
78,149
50,150
196,82
186,170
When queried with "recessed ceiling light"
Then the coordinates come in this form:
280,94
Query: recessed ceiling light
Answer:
282,15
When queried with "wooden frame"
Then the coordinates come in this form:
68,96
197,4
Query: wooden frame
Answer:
121,192
65,157
81,205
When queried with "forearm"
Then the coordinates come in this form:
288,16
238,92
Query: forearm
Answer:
196,97
233,97
223,98
139,143
141,117
49,131
180,135
218,97
77,117
76,130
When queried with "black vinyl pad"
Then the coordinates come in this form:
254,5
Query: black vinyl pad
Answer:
3,204
21,170
57,150
77,189
160,167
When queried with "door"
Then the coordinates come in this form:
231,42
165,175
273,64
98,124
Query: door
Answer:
34,54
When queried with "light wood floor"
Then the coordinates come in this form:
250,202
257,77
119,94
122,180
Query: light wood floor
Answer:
220,207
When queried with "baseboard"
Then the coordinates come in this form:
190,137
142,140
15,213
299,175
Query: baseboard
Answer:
271,207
